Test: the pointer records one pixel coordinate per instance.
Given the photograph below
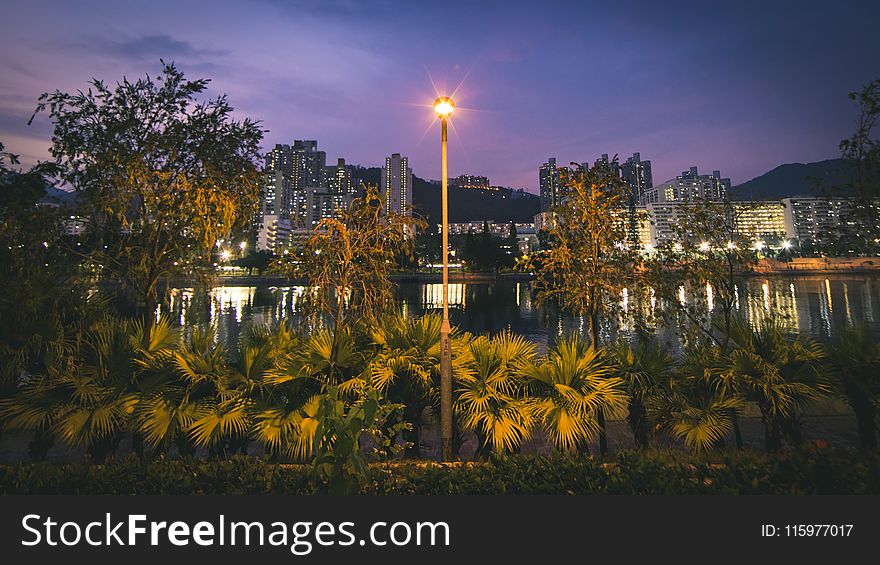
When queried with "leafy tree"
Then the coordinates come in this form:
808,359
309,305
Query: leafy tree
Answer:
426,248
349,259
161,175
484,251
588,264
854,370
859,229
42,294
699,272
259,260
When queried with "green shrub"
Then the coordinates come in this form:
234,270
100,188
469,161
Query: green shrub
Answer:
805,471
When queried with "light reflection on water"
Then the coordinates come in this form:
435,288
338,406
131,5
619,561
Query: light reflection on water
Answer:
810,305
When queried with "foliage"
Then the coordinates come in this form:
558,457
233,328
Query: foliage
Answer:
797,472
339,460
854,373
779,374
484,251
183,392
644,369
707,258
692,403
489,396
41,290
858,231
588,263
161,175
570,388
259,260
348,260
406,368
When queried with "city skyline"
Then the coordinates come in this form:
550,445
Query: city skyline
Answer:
741,90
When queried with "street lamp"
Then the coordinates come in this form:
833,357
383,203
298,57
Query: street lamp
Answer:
443,106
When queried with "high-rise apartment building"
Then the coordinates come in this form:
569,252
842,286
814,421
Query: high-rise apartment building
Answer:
276,195
339,178
308,165
637,175
759,221
548,178
320,204
396,185
815,220
280,159
688,186
605,161
289,171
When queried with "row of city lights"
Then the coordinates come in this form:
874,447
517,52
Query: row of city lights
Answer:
706,246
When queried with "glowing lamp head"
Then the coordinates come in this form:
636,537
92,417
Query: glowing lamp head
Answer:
225,255
444,106
786,244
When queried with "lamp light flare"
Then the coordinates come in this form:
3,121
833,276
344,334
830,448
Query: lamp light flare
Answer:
443,107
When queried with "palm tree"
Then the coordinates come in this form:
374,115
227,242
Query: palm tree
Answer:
88,397
285,385
174,394
780,375
570,388
405,366
643,369
854,363
490,396
692,403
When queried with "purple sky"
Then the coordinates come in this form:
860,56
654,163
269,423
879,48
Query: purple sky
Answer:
741,88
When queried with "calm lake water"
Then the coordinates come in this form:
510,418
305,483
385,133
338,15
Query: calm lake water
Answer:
810,305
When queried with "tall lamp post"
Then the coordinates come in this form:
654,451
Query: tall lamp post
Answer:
443,106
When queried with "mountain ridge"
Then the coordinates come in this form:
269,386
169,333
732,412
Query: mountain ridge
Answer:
796,179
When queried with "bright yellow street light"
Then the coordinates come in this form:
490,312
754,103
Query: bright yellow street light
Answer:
444,106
